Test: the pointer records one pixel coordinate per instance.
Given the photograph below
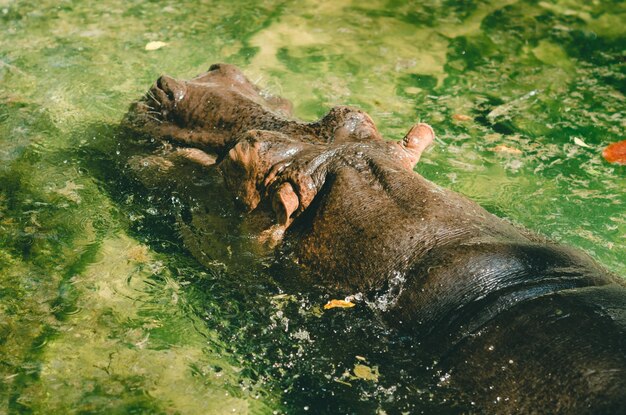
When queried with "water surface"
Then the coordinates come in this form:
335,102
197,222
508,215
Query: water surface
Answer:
102,310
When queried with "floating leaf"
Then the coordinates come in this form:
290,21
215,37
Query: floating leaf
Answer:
581,143
338,304
616,153
155,45
366,372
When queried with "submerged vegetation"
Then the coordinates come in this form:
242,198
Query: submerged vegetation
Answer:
101,308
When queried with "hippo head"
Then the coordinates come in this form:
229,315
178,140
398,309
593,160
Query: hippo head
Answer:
473,289
301,176
263,154
208,111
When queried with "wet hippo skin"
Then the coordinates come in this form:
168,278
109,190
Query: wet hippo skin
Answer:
521,324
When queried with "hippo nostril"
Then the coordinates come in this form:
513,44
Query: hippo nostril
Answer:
174,89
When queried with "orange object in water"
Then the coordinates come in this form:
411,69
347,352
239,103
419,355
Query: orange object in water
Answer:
339,304
616,153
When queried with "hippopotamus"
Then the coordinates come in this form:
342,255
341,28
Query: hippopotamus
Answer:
520,323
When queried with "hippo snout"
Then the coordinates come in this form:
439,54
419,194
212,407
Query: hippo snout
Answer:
173,89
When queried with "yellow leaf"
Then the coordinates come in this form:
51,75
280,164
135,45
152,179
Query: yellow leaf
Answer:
365,372
581,143
155,45
338,304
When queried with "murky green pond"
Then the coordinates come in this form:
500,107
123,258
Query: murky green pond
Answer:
102,310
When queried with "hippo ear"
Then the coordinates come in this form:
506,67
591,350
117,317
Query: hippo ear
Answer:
419,137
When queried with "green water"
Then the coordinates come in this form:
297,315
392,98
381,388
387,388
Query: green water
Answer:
101,308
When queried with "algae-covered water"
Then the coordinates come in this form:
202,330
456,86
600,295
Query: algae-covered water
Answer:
103,310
